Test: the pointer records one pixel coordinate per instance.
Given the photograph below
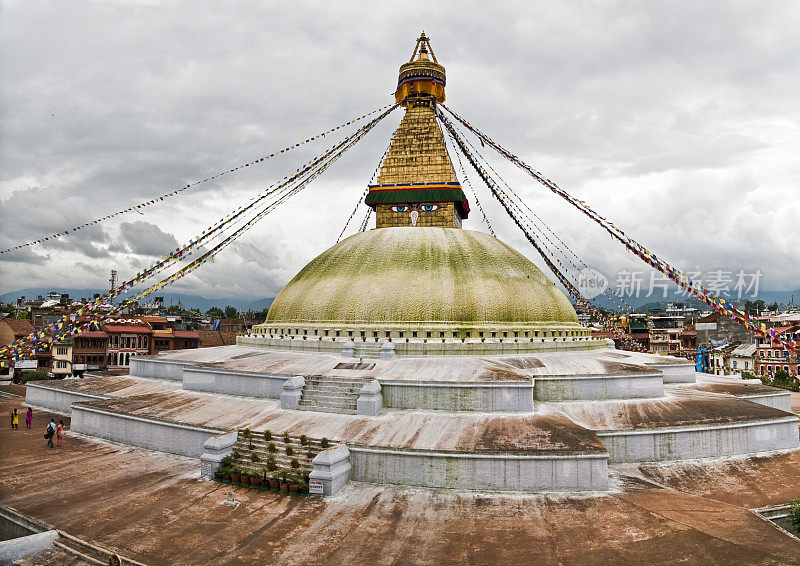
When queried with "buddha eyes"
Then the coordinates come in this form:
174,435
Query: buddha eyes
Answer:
424,208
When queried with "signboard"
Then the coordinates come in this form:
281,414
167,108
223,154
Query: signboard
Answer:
26,364
79,367
705,326
315,487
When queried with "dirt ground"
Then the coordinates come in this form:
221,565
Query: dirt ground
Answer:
153,508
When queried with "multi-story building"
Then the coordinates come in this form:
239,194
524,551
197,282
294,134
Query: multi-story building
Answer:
127,338
717,329
90,351
167,334
62,358
772,357
665,334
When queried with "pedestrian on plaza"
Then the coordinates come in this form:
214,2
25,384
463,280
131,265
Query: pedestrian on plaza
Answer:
14,420
29,418
51,431
60,433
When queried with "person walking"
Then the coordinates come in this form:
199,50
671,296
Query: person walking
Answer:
14,420
29,418
51,431
60,433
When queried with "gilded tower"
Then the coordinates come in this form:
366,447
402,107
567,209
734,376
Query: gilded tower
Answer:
417,185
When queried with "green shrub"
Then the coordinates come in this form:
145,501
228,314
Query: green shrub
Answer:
781,379
34,376
267,435
794,515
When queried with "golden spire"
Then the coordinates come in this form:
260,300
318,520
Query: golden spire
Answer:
417,185
421,76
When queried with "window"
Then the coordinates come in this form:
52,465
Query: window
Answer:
61,351
427,335
144,342
414,334
388,334
61,364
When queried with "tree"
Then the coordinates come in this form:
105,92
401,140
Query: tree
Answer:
231,312
773,307
781,375
754,307
215,312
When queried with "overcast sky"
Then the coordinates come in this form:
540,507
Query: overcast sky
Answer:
679,121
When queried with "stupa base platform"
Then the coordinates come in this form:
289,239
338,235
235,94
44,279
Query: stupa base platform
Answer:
558,446
424,449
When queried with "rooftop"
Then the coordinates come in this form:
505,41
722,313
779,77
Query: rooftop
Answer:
700,512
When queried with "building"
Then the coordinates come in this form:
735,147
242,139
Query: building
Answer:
772,357
665,334
635,324
235,325
717,329
743,359
62,359
90,351
689,343
168,334
12,329
127,338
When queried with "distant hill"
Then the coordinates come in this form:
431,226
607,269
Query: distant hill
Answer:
643,303
188,301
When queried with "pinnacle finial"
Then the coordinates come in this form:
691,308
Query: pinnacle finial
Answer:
422,74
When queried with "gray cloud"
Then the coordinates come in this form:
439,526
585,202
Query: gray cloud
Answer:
144,238
676,120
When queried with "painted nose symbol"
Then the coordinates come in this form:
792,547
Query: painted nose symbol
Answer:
414,216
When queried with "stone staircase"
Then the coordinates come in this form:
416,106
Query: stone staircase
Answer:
331,394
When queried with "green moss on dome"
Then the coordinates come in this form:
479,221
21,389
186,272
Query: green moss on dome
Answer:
396,275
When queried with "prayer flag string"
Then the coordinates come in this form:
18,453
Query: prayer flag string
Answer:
685,282
158,199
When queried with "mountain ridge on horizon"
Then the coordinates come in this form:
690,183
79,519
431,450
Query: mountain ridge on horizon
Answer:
188,301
